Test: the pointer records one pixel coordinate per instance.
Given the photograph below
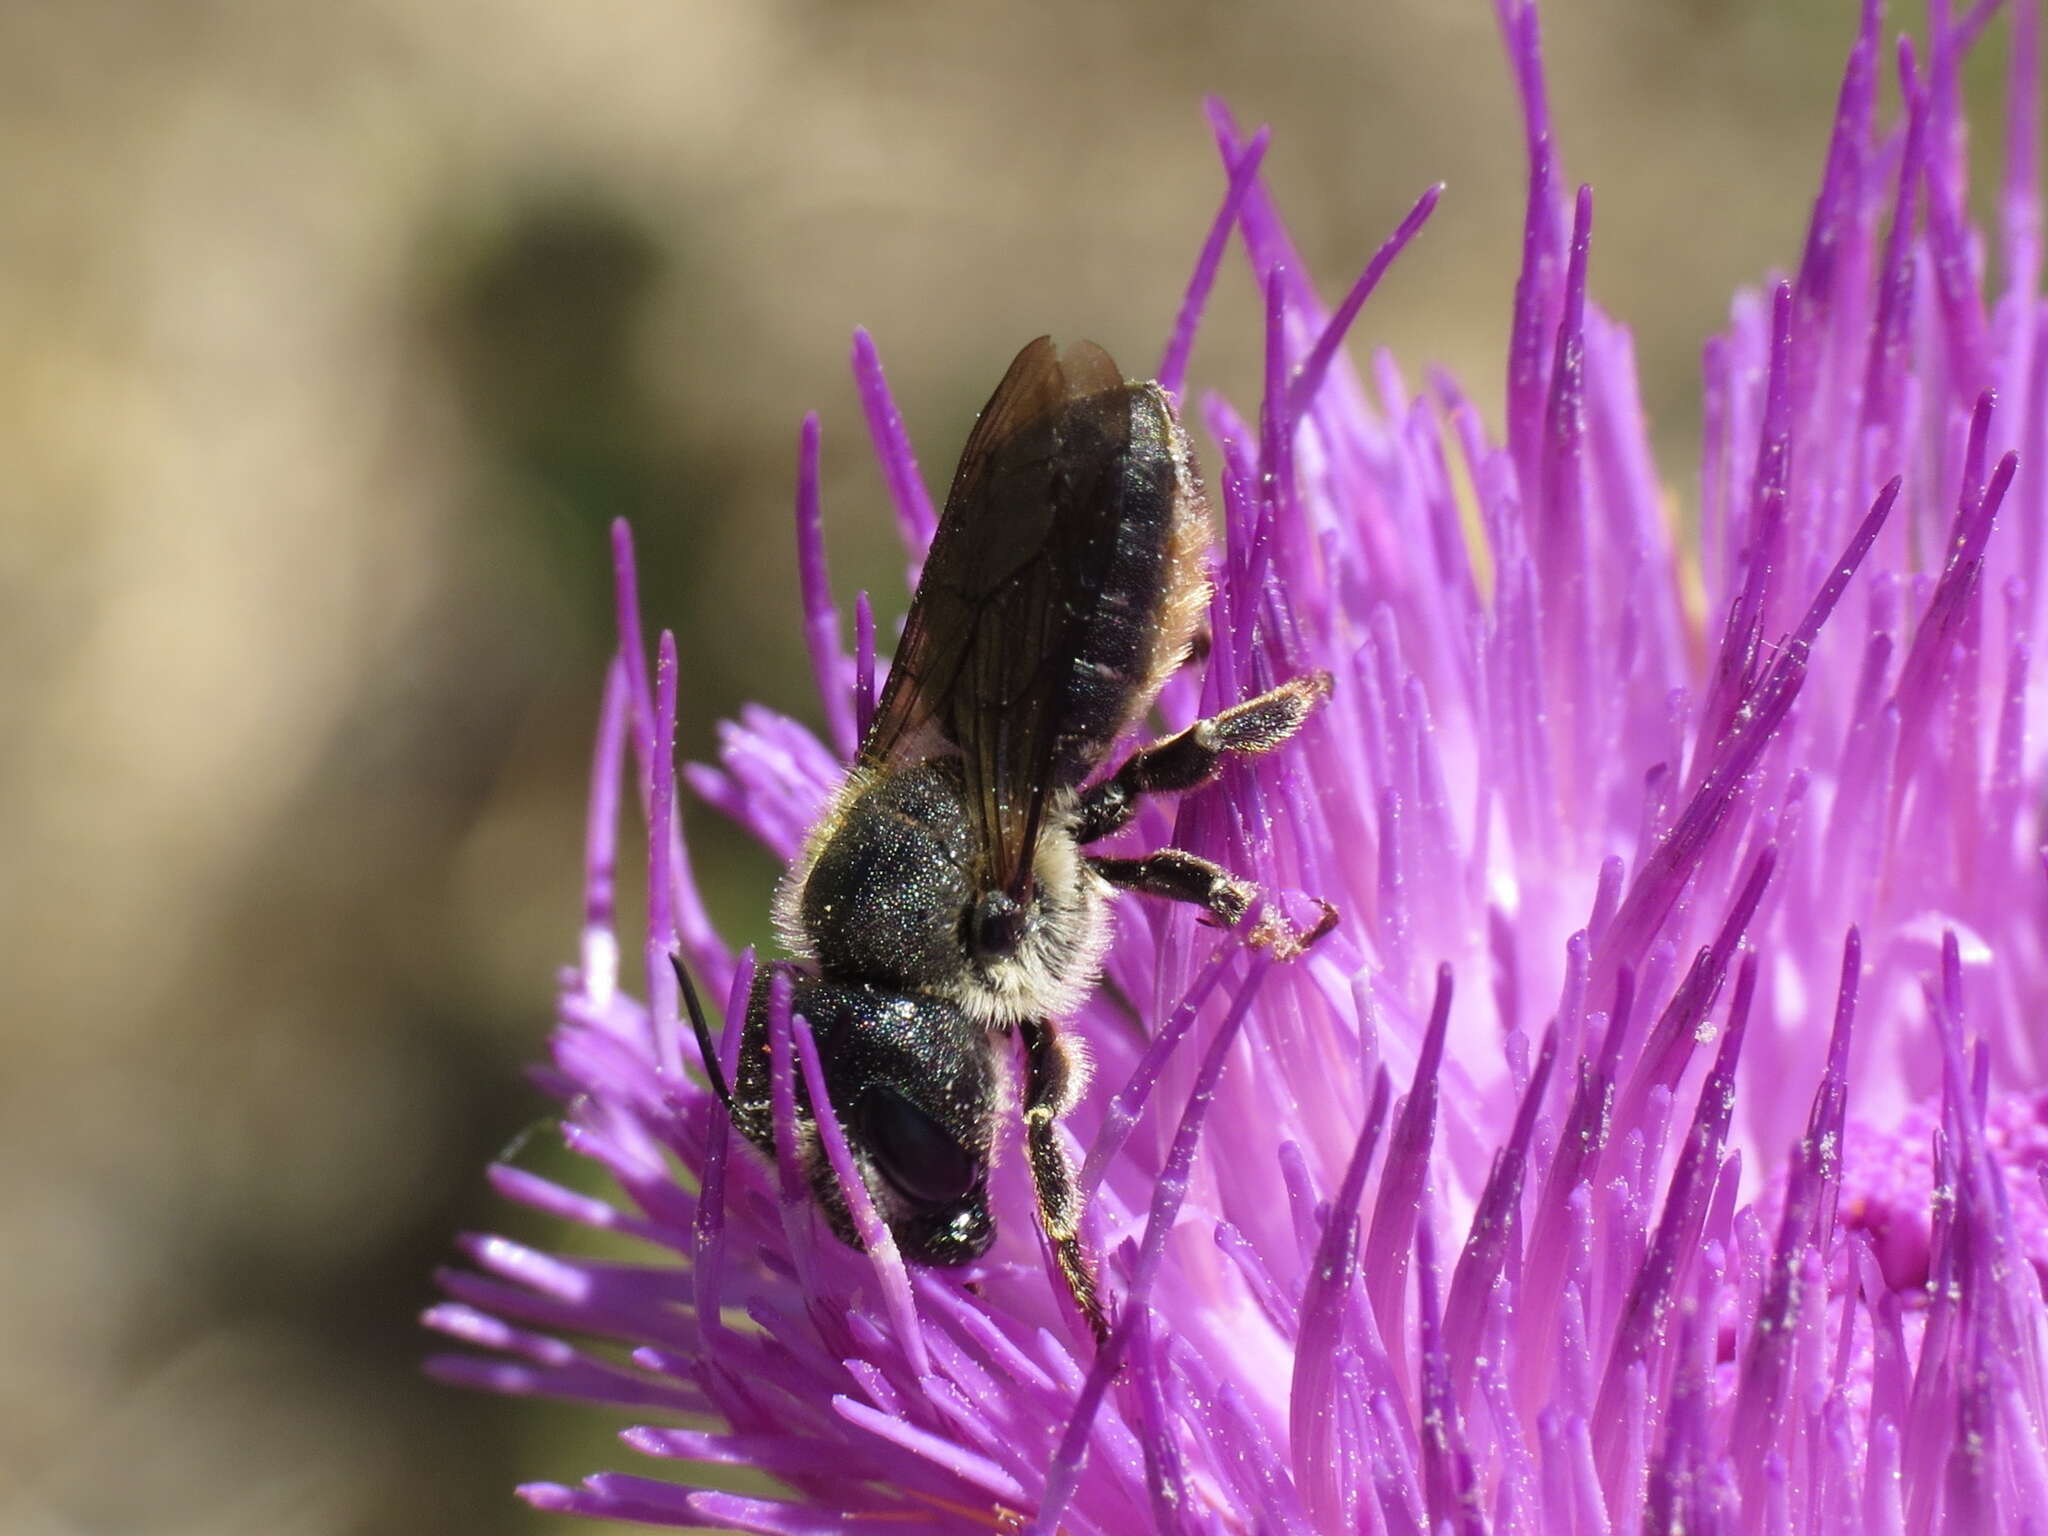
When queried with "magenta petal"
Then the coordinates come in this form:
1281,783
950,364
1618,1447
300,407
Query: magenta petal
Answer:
1687,986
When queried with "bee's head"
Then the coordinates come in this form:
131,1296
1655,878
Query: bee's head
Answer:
914,1087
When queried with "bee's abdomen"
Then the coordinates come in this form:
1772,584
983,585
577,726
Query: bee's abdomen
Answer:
1153,589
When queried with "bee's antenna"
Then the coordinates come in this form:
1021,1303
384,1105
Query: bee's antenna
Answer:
713,1069
512,1149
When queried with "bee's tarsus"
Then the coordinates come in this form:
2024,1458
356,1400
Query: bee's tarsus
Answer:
1286,942
1322,925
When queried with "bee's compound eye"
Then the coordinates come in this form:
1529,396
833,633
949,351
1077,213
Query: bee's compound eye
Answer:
914,1152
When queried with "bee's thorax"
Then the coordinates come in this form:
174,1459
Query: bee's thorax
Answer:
887,894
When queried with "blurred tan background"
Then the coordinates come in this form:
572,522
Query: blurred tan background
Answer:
333,336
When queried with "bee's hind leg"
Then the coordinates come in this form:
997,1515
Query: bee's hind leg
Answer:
1196,755
1187,761
1052,1082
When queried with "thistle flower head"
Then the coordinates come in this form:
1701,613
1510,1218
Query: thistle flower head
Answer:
1660,1136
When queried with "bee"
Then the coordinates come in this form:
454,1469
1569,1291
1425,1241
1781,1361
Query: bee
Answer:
944,905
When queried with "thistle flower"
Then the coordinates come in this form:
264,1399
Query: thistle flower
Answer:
1659,1139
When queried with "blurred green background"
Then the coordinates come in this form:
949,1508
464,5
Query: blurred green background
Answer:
335,334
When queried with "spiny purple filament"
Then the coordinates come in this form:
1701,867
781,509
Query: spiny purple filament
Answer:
1660,1138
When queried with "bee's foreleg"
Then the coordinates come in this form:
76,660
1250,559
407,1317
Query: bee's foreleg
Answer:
1051,1083
1195,755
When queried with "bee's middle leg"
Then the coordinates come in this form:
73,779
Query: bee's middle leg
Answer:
1177,875
1195,755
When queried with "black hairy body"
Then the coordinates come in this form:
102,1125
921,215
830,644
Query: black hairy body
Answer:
945,905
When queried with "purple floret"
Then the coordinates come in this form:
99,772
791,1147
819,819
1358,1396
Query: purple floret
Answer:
1660,1138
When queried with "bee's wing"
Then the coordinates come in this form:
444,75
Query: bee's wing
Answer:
1012,583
